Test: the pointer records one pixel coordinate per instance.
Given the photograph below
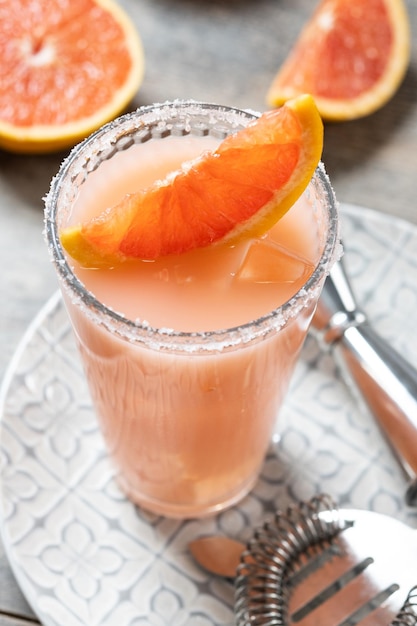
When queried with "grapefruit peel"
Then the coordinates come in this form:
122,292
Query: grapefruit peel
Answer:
144,225
310,51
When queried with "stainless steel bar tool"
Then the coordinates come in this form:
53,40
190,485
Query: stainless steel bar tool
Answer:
386,380
316,565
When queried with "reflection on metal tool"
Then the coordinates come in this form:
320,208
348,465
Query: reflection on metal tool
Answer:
387,381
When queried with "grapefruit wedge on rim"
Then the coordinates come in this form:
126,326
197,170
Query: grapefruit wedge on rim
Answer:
351,56
66,68
238,191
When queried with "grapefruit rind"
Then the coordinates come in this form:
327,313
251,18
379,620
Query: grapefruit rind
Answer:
79,248
38,139
335,110
312,140
97,243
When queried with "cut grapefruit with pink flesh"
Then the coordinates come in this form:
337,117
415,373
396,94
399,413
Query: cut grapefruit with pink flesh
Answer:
351,56
66,68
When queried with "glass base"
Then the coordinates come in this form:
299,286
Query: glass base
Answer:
191,510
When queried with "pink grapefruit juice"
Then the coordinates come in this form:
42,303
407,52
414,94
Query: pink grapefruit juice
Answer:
187,408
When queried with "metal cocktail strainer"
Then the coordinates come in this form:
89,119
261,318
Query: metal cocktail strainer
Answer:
317,565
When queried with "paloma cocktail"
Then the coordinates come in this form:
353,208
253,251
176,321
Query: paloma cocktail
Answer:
188,357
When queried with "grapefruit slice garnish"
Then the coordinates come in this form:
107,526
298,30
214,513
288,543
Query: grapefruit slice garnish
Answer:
351,56
238,191
66,68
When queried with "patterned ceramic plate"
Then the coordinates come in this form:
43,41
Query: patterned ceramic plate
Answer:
85,556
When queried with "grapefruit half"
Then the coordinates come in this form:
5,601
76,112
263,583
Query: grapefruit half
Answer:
66,68
351,56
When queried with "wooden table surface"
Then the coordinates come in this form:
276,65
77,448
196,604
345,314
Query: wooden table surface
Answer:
224,51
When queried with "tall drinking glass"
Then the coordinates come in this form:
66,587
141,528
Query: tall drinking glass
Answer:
187,412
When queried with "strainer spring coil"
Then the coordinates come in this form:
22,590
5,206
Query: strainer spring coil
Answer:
279,551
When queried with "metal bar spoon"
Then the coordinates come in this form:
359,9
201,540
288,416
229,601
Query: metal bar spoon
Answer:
387,382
